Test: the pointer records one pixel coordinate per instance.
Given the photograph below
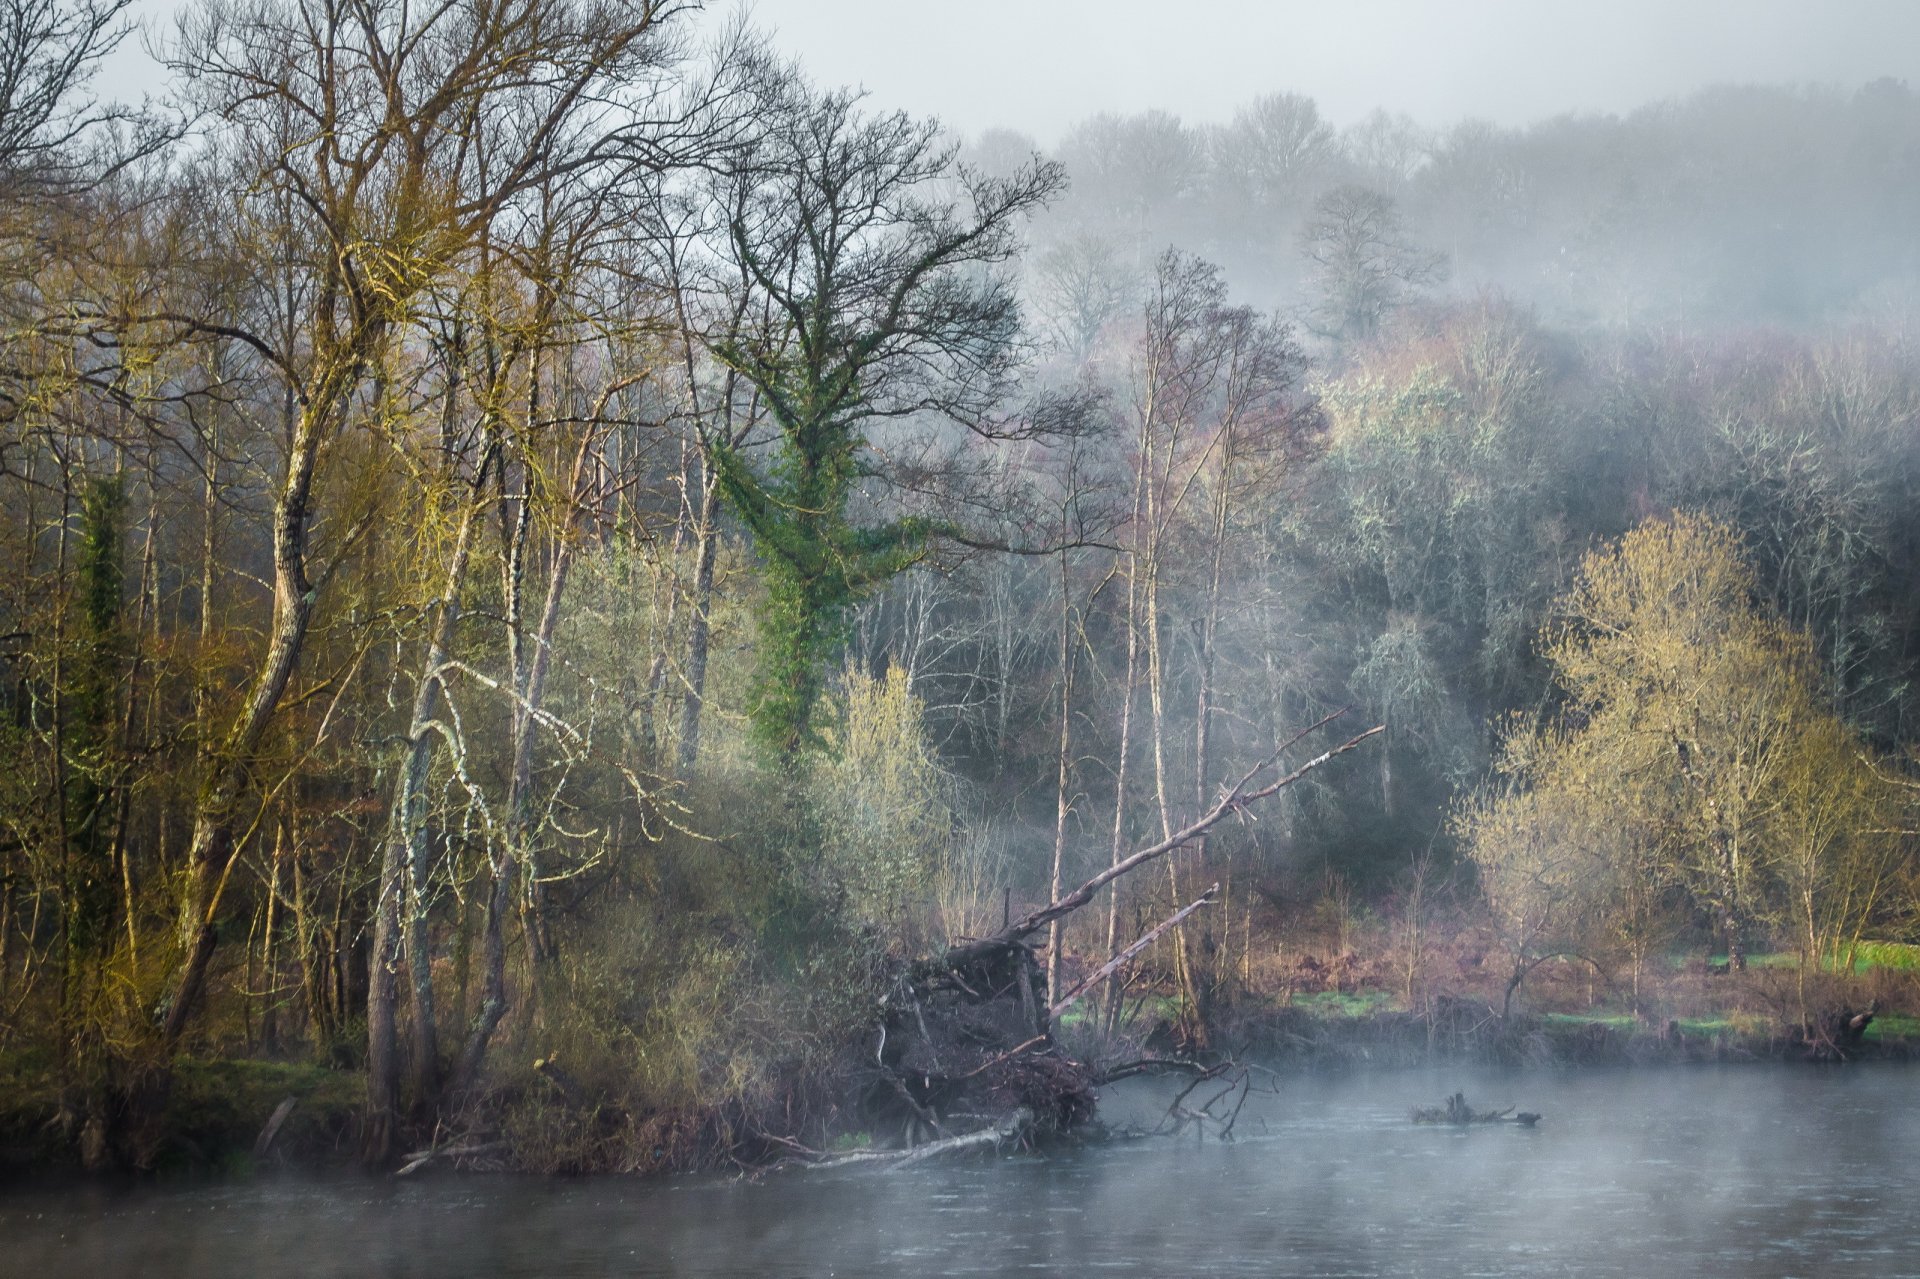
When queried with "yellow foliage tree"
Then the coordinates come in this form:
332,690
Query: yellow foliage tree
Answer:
881,802
1694,753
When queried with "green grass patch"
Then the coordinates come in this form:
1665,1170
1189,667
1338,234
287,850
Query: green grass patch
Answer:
1894,956
1768,959
1899,957
1338,1003
1704,1025
1893,1026
1613,1021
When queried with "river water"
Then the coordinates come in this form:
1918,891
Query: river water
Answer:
1748,1171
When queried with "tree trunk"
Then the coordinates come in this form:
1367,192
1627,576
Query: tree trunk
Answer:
226,769
404,873
1114,983
699,623
1063,800
515,857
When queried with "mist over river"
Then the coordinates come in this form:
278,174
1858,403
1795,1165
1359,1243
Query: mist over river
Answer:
1751,1171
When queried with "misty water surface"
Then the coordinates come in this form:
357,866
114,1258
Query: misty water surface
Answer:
1737,1171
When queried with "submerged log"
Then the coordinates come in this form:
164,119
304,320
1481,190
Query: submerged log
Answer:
1459,1113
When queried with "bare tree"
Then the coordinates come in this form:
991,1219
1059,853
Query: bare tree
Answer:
1364,265
1275,150
1080,287
50,127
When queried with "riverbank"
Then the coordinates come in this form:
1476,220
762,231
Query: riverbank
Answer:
220,1115
216,1120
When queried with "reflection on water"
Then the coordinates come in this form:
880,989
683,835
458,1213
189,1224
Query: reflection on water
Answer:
1751,1172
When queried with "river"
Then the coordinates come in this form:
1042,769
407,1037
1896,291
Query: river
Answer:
1749,1171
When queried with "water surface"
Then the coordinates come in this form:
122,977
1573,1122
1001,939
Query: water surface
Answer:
1711,1171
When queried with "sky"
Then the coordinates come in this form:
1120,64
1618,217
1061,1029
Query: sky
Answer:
1041,65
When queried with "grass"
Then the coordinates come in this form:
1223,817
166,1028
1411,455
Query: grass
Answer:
1719,1025
1616,1021
1337,1003
1894,1026
1899,957
1891,956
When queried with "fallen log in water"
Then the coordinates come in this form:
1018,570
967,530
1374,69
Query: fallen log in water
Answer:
1459,1113
477,1150
1012,1130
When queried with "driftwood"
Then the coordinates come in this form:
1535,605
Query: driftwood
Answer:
1150,1066
419,1159
1013,1129
1837,1033
1460,1114
264,1142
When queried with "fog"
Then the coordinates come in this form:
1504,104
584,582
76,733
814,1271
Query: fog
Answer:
1042,67
1720,1173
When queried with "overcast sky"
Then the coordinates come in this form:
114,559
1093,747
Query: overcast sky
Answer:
1040,65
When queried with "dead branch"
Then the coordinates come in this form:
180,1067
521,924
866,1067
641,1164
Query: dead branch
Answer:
1238,797
1148,1066
421,1158
264,1141
1008,1055
1014,1127
563,1081
1152,935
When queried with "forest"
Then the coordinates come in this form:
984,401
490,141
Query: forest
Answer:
549,558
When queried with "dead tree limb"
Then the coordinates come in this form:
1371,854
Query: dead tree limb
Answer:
1237,797
1149,1066
264,1142
1008,1055
421,1158
1112,965
1013,1128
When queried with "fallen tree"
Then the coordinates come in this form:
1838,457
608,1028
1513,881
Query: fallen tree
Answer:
966,1058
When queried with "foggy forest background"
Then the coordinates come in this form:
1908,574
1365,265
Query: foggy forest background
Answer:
532,530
